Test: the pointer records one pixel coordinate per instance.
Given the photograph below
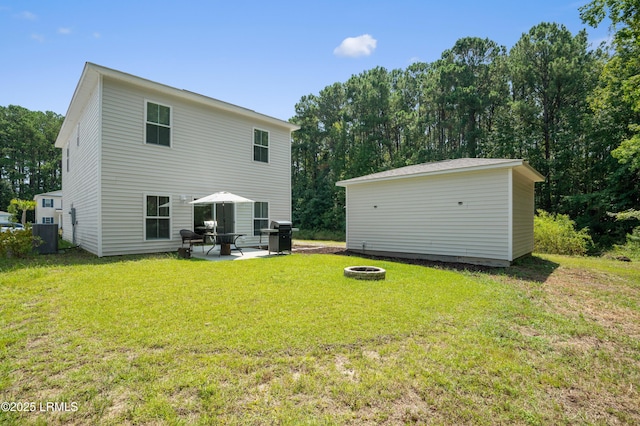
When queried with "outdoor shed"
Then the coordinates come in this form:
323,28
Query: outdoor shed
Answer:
470,210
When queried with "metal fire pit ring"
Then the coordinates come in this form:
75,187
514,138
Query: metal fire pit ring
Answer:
365,272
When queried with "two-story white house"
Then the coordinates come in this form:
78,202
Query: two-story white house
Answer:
48,207
136,152
5,217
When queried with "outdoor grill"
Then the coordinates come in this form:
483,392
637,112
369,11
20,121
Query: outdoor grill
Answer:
279,236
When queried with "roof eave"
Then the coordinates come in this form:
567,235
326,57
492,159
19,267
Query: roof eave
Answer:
57,193
514,163
186,94
91,76
87,82
530,172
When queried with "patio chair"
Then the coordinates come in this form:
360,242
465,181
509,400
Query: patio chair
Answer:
192,238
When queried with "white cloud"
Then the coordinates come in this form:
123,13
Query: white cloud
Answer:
97,35
354,47
606,40
28,16
37,37
64,31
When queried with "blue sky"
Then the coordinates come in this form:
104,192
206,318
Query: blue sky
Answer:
262,55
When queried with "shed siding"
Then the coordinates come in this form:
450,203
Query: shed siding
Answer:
210,151
422,215
523,210
81,182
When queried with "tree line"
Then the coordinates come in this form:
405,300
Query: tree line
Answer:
550,99
29,162
571,110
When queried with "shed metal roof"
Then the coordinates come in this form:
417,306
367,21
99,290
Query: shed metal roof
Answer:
447,166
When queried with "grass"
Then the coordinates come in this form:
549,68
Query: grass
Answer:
289,340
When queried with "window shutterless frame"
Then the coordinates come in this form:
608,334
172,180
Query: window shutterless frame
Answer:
260,145
157,123
157,217
260,216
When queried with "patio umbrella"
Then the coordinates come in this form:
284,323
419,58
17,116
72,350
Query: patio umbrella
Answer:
222,197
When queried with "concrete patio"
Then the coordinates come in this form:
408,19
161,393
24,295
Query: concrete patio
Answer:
214,255
305,247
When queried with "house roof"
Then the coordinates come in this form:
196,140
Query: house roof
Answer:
49,194
91,77
447,166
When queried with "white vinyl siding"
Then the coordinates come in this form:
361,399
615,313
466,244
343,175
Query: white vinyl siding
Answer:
81,178
457,214
209,153
523,211
48,207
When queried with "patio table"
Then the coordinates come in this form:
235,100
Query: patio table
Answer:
224,241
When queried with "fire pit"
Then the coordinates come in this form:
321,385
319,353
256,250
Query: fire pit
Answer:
365,272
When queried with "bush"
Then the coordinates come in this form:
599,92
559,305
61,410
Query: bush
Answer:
18,243
632,247
556,234
322,235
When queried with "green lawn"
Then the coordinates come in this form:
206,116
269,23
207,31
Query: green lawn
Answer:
289,340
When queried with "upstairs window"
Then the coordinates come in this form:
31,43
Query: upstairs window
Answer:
158,124
47,202
260,146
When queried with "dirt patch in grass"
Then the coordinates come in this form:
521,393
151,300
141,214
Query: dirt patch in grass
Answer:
119,402
605,339
583,404
317,249
595,296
